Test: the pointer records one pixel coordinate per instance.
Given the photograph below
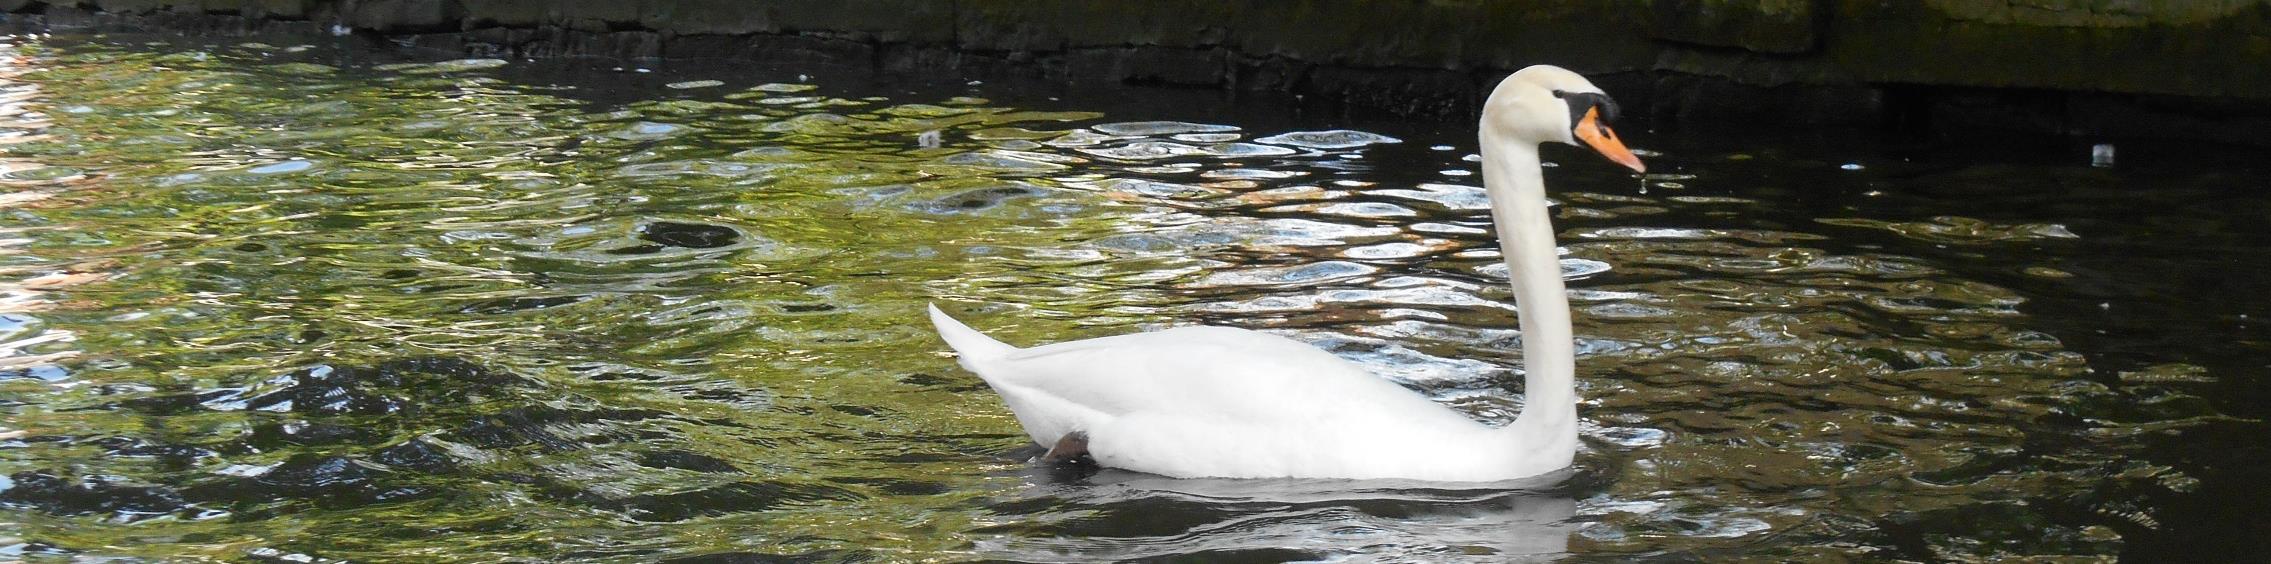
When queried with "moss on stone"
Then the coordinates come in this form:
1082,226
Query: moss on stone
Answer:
1415,53
1763,26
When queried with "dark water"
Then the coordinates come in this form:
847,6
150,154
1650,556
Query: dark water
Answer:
274,302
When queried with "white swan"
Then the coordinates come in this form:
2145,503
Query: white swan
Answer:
1231,403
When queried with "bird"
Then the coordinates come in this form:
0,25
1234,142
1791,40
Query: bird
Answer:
1222,402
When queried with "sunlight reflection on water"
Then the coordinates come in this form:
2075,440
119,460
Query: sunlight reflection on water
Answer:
257,304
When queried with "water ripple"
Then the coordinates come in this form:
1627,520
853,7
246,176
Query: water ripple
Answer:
428,309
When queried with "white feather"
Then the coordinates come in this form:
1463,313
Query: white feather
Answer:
1230,403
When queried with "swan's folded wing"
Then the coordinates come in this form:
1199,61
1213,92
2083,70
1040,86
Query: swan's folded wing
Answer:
1218,371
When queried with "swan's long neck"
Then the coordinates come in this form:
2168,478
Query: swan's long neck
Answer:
1517,188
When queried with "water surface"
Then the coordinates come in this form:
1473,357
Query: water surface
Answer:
286,302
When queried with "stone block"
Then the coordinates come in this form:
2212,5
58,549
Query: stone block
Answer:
130,6
919,21
783,49
406,15
1056,25
718,17
1762,26
510,13
277,9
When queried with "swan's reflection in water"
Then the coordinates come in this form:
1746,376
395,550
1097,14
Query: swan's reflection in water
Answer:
1092,515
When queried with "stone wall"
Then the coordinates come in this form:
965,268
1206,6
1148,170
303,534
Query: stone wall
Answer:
2126,67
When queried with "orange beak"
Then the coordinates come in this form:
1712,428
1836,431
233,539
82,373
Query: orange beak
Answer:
1601,139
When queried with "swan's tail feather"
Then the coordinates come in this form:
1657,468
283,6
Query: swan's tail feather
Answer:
972,345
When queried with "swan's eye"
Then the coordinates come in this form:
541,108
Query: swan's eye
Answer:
1581,103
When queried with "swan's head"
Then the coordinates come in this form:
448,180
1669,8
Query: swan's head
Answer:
1545,103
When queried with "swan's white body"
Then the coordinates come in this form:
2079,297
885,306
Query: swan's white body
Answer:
1231,403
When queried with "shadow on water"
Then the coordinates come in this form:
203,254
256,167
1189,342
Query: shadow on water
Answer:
289,302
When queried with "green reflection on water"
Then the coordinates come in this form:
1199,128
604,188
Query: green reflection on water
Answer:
714,280
258,303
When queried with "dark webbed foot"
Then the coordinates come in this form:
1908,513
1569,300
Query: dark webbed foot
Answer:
1070,449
